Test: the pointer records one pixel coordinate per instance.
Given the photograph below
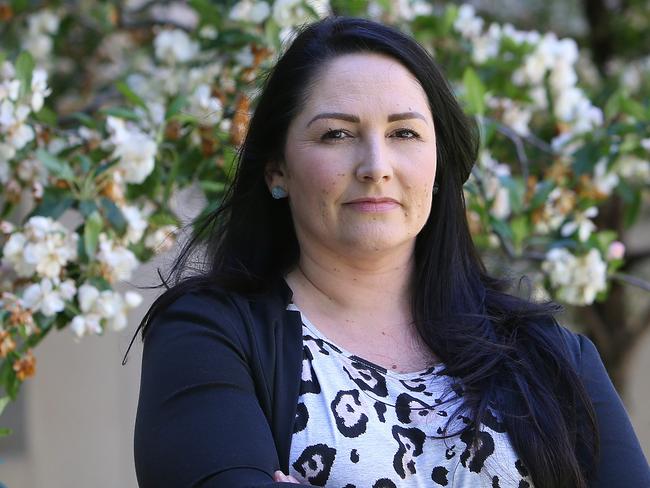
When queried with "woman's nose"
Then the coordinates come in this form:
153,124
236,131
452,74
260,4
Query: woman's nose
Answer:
374,164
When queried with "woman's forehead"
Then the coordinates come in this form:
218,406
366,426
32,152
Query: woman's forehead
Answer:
363,79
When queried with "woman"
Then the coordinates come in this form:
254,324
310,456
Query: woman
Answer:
344,331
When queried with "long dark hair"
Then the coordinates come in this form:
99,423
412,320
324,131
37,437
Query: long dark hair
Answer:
504,349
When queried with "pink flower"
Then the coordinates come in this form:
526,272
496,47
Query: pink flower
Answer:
616,250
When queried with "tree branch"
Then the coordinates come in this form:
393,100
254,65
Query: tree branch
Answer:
631,280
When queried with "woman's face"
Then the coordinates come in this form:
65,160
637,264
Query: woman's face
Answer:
366,132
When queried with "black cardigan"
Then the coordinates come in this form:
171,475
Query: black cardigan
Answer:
220,384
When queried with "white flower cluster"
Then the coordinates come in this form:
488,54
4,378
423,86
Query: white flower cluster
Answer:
162,239
118,261
514,115
102,307
552,56
605,180
250,11
136,223
576,279
48,296
558,205
582,223
15,131
44,247
175,46
558,58
135,149
495,192
289,14
634,169
41,26
206,108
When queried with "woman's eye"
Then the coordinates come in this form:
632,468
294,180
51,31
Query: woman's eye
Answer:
413,134
333,134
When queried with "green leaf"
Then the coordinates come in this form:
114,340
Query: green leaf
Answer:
24,69
92,228
585,158
4,401
129,94
355,8
208,12
162,218
47,116
501,227
474,92
544,188
55,201
121,113
114,215
84,119
516,190
632,209
519,226
60,169
212,186
87,207
175,106
5,431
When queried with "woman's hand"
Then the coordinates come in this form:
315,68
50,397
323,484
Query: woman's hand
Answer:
280,476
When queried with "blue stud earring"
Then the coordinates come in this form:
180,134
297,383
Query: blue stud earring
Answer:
435,188
278,192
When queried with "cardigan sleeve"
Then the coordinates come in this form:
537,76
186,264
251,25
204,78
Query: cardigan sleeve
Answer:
198,422
621,462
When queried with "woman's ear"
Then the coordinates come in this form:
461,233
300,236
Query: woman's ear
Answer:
275,174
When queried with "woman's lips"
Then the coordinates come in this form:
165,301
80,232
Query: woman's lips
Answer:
373,205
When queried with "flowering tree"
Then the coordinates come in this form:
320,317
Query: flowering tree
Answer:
108,108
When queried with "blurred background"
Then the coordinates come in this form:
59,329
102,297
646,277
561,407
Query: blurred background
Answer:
119,121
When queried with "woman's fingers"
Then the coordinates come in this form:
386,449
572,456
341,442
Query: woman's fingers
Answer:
280,476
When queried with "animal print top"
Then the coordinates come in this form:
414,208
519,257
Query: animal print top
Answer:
359,425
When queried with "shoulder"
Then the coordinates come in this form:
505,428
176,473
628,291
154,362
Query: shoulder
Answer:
204,306
574,346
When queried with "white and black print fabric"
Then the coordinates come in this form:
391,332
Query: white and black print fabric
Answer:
359,425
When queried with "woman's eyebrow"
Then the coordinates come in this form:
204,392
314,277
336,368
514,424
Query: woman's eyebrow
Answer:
355,119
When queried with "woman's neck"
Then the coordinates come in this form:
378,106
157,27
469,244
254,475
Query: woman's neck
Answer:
363,291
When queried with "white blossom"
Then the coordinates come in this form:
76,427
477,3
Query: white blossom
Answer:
108,307
582,223
87,296
136,223
250,11
292,13
208,32
175,46
44,247
206,108
645,144
13,255
83,325
576,279
13,118
47,298
119,262
604,180
468,24
135,149
633,169
39,89
162,239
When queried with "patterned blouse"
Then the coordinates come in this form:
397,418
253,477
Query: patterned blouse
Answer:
360,425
